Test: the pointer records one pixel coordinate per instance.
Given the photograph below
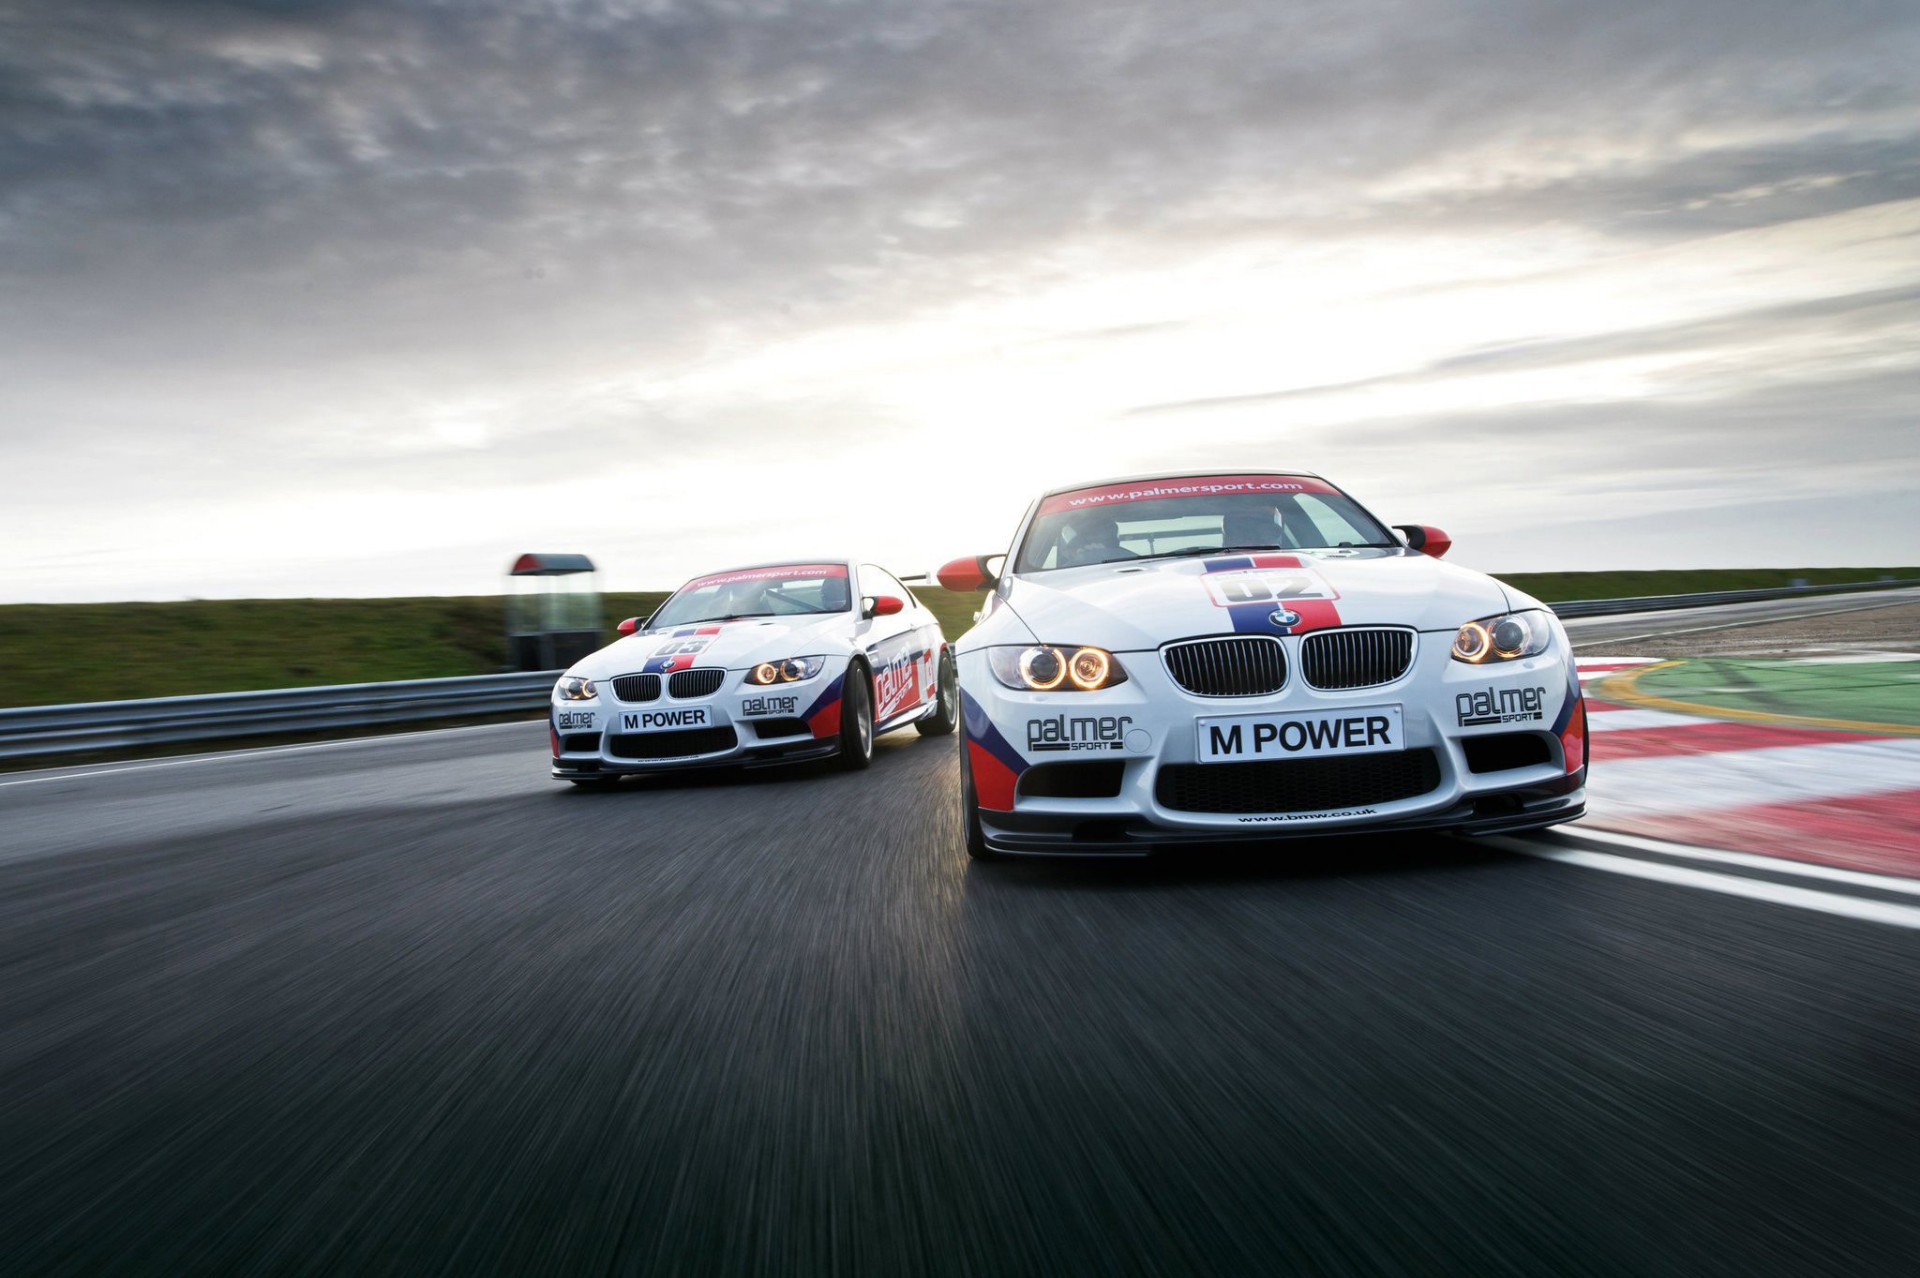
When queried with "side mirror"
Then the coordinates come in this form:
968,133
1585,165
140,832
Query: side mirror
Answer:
885,606
968,573
1425,538
628,626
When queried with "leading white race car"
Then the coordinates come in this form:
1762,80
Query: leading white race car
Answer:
1195,658
773,663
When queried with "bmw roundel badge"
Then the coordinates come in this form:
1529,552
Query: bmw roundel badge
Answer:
1284,617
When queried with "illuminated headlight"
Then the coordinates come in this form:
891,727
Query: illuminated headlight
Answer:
1503,638
789,670
574,688
1050,668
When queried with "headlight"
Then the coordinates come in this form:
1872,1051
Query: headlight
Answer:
788,670
574,688
1503,638
1051,668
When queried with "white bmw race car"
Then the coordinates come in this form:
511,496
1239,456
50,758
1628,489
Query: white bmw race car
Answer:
769,664
1197,658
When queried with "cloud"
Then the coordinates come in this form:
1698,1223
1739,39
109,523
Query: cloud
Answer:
1871,322
332,249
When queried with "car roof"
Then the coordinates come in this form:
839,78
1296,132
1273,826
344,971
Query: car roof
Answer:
1152,476
779,563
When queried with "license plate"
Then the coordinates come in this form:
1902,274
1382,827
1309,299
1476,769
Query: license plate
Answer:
1301,734
664,720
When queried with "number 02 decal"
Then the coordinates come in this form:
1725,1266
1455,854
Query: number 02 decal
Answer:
1258,586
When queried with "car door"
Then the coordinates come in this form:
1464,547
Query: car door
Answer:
899,653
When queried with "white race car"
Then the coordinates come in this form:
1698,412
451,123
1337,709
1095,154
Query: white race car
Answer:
1199,658
773,663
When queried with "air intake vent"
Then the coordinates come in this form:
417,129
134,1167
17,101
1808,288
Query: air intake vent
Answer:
671,745
1297,785
1247,666
637,687
1504,751
1089,779
696,683
1352,657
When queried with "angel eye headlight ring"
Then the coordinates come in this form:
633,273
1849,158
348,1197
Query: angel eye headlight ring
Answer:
1042,669
1472,643
1088,668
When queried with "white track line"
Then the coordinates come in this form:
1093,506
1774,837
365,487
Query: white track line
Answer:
1690,783
1630,720
1749,860
1852,907
258,752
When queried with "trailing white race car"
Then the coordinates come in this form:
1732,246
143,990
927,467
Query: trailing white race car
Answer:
768,664
1198,658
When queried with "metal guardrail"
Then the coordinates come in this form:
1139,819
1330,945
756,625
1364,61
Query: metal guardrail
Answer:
115,725
1710,599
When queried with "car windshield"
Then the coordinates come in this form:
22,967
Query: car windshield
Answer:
778,590
1194,515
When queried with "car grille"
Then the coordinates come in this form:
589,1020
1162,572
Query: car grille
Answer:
1250,666
1352,657
696,683
671,745
637,687
1297,785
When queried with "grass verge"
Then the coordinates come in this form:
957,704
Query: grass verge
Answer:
52,654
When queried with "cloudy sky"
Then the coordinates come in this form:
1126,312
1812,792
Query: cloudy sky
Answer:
364,297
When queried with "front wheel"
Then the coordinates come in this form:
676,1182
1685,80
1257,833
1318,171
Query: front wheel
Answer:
856,720
947,711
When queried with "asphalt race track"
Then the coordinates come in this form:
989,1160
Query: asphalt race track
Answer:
406,1005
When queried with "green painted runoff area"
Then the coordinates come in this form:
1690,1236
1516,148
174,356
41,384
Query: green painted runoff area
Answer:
1856,691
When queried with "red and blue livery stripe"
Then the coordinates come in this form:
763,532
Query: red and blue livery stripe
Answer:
1571,726
995,764
1266,616
823,716
679,651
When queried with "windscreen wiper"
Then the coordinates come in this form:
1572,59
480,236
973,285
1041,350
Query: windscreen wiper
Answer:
732,616
1202,550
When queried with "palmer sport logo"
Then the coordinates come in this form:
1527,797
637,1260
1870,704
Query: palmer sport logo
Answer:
1081,732
1500,705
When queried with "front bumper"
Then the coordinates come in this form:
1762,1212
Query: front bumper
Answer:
734,727
1132,780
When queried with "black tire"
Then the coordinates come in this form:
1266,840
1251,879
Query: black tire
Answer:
856,720
970,828
947,696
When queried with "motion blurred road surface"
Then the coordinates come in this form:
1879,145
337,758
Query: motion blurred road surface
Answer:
407,1005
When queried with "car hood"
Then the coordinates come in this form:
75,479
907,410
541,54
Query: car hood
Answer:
1132,606
734,645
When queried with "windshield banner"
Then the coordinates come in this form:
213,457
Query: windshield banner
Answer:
777,572
1189,486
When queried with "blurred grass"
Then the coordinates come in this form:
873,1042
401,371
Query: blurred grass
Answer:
56,653
1563,587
